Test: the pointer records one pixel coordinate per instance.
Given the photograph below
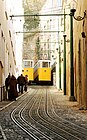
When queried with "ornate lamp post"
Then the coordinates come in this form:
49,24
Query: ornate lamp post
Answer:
79,18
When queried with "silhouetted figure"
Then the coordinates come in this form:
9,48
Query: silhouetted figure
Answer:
21,82
13,88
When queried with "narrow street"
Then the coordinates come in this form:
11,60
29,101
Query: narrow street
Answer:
43,113
43,70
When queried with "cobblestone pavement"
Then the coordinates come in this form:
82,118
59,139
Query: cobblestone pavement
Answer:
57,106
69,106
6,103
63,100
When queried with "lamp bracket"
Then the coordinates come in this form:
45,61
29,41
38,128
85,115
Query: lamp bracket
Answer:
79,18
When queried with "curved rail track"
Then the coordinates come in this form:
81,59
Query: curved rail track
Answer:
76,131
36,117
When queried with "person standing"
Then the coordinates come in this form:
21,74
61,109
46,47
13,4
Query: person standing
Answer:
21,82
7,82
13,88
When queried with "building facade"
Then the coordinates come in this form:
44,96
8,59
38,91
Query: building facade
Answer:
8,43
7,53
80,54
51,43
79,35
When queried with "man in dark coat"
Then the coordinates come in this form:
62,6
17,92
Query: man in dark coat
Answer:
13,88
21,82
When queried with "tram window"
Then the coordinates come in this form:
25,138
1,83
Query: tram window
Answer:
45,64
26,64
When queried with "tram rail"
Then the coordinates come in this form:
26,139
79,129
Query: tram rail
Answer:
72,128
39,122
53,115
17,117
37,115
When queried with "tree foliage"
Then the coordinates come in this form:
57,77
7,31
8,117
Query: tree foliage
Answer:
38,47
32,7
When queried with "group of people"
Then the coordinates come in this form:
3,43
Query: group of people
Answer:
11,84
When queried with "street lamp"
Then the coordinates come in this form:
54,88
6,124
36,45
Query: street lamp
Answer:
64,64
78,18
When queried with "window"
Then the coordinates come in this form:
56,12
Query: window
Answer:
26,64
11,44
45,64
62,21
6,15
2,33
9,33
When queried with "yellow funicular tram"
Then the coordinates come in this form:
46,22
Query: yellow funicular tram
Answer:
42,72
28,69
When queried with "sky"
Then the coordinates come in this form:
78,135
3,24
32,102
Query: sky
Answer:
59,2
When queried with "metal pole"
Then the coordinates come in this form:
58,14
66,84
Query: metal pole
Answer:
64,64
59,68
36,31
64,81
72,98
35,15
